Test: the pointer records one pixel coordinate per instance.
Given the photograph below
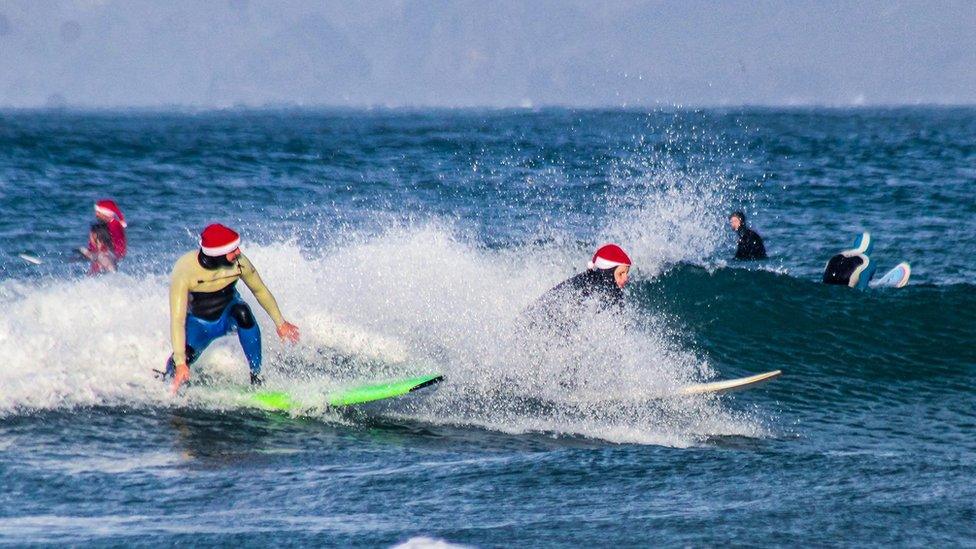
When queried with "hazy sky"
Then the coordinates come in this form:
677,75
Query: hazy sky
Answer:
222,53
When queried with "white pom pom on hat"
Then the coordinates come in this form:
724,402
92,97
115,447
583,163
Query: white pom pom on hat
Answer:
110,210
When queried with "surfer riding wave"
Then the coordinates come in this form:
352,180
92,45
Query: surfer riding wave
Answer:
577,335
600,286
205,304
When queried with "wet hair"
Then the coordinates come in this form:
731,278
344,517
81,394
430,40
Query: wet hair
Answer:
102,235
740,215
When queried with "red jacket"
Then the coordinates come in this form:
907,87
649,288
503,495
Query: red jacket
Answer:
117,231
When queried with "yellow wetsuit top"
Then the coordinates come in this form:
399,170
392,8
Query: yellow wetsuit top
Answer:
189,276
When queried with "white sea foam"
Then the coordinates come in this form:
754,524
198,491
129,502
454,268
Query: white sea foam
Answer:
412,299
423,542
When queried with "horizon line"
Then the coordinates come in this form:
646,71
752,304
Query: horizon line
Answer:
661,107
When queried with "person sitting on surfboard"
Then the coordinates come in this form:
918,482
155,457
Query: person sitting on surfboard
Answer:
602,282
750,243
106,239
852,267
204,304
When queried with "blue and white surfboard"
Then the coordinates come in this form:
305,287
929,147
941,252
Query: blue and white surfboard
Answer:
895,278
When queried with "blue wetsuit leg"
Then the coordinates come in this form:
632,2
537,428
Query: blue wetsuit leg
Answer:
248,333
200,334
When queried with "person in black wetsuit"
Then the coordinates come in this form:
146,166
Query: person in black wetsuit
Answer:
601,284
852,267
750,243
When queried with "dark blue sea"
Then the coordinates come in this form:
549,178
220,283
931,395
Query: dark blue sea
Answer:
405,242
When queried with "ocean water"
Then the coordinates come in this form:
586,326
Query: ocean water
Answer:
413,241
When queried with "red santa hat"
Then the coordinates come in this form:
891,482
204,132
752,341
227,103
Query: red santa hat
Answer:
217,240
609,256
110,210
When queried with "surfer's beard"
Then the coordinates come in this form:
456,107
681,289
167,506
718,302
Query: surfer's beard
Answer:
208,262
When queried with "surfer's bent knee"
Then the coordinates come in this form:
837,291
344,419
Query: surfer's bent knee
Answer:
242,315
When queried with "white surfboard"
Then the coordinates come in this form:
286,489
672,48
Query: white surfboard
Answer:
895,278
30,258
729,385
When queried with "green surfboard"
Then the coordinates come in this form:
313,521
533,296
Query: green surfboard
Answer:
359,394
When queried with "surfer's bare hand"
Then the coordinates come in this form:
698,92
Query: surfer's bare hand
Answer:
288,332
181,376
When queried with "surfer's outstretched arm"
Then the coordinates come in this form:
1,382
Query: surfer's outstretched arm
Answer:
252,279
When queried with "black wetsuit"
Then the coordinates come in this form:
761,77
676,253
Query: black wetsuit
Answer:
560,307
750,245
841,268
210,305
598,283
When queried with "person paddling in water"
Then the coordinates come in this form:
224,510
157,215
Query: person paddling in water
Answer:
107,243
602,283
204,304
750,244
